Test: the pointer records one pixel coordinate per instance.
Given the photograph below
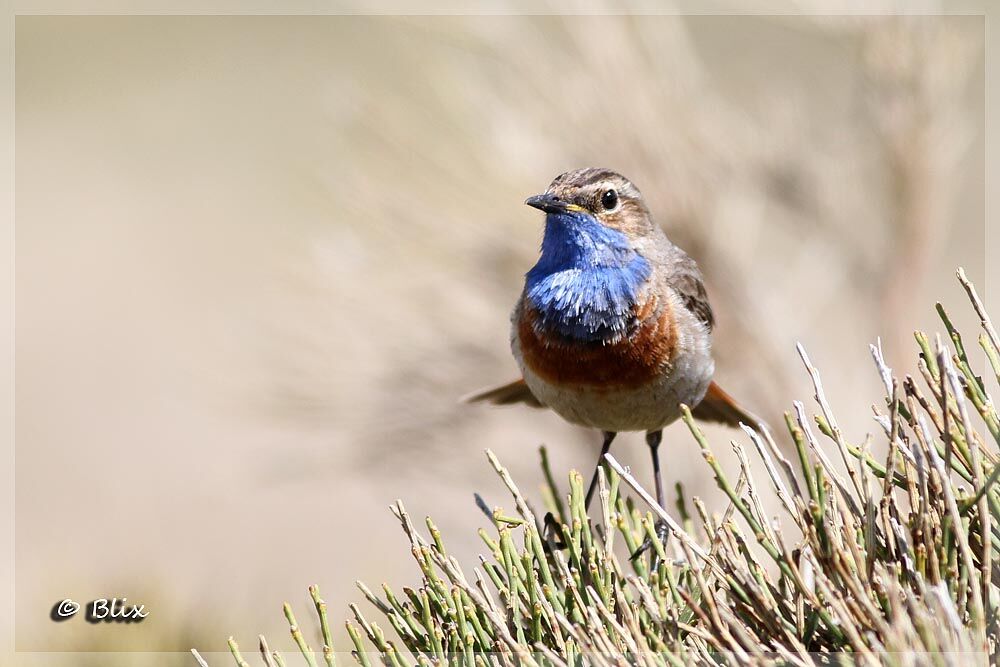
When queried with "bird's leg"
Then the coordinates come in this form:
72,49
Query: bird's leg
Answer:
653,439
608,437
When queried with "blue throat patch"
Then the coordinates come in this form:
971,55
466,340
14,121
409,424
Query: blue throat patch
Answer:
587,280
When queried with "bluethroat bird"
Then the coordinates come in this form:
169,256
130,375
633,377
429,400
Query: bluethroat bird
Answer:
613,329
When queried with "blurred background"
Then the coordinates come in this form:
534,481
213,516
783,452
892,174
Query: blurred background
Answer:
259,259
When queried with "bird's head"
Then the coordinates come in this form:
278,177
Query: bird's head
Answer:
584,197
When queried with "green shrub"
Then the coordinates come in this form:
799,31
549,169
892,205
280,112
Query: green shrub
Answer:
890,559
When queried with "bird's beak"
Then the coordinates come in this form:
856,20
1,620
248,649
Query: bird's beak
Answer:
550,204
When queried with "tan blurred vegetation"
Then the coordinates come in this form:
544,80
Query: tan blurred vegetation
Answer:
260,258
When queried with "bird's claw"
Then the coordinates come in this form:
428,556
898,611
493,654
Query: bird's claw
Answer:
662,534
551,533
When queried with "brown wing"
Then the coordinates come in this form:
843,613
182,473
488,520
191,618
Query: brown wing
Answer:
720,407
685,278
508,394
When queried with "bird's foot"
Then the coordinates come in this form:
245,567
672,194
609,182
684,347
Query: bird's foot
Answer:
552,534
662,535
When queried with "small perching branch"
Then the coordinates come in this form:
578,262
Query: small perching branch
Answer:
675,528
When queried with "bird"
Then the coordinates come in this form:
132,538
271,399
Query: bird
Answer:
613,328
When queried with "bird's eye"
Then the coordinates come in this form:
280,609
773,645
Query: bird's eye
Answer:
609,200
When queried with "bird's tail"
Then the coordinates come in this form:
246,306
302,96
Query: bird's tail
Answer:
508,394
718,406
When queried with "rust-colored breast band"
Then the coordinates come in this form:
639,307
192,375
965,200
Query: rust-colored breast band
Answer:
631,362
